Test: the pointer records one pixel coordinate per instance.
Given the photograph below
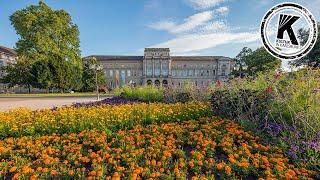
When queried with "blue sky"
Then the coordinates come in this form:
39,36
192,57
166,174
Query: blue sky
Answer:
188,27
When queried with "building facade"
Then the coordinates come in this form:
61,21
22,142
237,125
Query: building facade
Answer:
158,68
7,56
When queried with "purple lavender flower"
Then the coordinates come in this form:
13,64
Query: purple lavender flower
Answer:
292,152
312,145
110,101
274,129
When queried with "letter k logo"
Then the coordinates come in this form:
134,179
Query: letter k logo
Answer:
285,24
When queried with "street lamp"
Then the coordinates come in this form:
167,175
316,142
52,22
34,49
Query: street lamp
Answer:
96,68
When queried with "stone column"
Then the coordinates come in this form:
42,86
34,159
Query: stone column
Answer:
169,62
153,67
160,67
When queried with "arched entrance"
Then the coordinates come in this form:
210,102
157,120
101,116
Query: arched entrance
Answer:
157,83
165,83
149,82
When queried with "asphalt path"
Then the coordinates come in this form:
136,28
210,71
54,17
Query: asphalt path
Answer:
36,103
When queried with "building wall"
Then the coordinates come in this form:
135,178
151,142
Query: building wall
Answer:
6,57
157,67
121,72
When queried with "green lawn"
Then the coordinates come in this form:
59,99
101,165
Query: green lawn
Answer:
54,95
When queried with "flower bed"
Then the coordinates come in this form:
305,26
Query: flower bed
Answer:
283,108
207,148
22,122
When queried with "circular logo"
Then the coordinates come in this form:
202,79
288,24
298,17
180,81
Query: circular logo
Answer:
289,31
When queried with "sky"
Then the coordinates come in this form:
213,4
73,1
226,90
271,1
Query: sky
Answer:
187,27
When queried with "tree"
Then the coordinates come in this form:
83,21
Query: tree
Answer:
50,36
41,76
241,59
313,58
18,73
261,61
88,77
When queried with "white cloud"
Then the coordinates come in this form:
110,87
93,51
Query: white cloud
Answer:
204,4
223,10
214,27
196,42
190,23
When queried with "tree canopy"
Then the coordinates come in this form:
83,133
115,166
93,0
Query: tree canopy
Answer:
256,61
313,58
49,38
88,78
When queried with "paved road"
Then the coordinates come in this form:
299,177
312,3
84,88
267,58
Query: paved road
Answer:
35,103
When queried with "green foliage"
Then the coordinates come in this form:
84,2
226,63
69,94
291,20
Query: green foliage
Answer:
89,76
18,73
241,60
261,61
187,92
147,93
283,107
40,75
50,36
258,61
313,58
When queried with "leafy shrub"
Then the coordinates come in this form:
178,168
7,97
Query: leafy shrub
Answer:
183,97
147,93
285,108
187,92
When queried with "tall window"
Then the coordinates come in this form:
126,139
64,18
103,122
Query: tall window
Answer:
223,72
179,71
128,72
165,68
196,72
190,71
185,71
157,68
173,71
149,68
111,73
123,78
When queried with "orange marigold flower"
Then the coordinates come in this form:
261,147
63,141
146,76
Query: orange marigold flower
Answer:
220,166
12,169
70,172
153,162
228,170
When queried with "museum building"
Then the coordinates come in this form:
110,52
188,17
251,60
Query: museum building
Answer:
158,68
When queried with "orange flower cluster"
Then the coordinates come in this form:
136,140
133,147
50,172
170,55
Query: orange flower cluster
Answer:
205,149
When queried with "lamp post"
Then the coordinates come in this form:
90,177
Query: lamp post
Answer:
96,68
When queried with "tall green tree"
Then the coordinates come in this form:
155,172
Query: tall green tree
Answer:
261,61
50,36
240,60
89,75
255,61
313,58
